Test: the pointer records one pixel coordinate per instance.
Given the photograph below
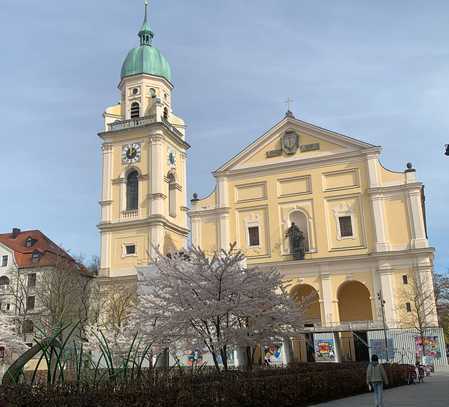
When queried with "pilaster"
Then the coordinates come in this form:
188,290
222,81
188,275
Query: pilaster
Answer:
184,184
419,239
106,198
222,192
379,219
157,174
326,298
196,231
387,288
156,241
223,202
105,254
224,231
377,204
373,170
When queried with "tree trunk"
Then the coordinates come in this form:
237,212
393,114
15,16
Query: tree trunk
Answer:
224,358
217,365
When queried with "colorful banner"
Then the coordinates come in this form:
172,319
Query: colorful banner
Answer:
431,346
273,355
194,357
325,350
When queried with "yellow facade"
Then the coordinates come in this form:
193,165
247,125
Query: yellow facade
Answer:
326,182
158,218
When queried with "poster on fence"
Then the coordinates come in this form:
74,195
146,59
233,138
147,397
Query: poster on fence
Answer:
325,350
194,357
431,346
377,347
273,355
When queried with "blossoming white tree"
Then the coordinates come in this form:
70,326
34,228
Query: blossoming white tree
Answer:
10,338
215,302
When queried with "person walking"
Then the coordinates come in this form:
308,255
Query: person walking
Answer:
376,378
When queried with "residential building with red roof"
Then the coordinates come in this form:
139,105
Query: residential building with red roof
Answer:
23,255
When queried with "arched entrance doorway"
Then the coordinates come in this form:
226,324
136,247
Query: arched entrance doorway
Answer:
303,348
354,304
306,294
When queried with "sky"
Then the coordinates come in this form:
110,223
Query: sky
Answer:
377,71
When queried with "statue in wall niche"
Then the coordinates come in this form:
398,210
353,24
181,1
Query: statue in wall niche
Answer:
297,242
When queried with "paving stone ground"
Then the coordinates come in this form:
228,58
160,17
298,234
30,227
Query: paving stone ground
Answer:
434,392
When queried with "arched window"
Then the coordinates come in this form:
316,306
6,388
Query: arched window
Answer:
4,281
165,113
135,110
172,195
132,191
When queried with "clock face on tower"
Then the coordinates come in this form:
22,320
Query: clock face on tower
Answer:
131,153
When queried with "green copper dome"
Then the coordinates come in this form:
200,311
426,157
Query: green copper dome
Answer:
146,59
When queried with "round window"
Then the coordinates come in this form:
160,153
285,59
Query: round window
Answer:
135,91
152,92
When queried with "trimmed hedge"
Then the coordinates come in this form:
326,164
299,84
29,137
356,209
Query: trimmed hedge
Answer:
298,385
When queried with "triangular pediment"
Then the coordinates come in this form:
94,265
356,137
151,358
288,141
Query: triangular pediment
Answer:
292,140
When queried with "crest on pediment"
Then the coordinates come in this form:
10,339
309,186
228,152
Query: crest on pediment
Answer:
290,142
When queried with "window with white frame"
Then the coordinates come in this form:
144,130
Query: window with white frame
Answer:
345,223
4,261
253,236
130,249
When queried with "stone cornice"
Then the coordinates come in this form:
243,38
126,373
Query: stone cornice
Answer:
299,163
106,147
109,136
367,258
149,221
157,196
120,180
208,212
388,189
144,75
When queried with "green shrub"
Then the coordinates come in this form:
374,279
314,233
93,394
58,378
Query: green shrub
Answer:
298,385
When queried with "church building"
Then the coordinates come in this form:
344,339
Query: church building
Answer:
315,204
360,230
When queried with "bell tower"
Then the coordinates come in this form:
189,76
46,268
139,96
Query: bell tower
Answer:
143,203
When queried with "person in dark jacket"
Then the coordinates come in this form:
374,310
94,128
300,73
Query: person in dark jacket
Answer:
376,378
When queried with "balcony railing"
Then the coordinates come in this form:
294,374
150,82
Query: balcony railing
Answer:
130,215
127,124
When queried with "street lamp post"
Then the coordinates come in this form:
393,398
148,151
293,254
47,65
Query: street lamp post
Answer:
382,308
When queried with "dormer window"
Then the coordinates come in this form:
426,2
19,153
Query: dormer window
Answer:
36,256
30,242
